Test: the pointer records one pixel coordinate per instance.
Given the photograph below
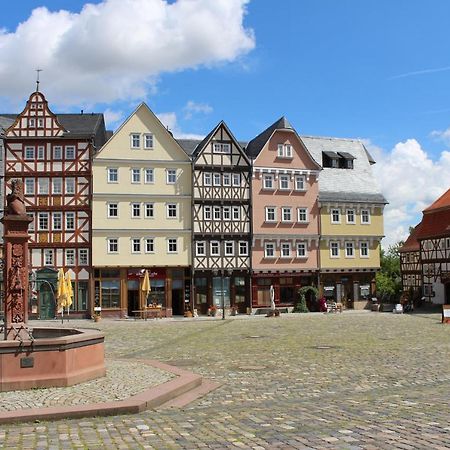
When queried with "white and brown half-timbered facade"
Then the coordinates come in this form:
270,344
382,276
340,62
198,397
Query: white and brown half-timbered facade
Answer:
52,155
221,222
434,239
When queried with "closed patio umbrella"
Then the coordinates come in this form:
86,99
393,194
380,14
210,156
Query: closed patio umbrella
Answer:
146,288
69,300
61,292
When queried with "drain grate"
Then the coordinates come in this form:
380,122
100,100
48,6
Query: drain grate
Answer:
324,347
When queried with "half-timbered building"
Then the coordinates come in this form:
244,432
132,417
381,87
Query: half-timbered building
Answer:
52,154
285,215
410,267
142,219
434,239
221,222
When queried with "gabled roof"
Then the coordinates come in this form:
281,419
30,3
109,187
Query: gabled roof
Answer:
412,244
257,143
442,202
435,224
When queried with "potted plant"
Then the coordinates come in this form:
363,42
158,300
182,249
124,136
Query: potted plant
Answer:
97,313
212,311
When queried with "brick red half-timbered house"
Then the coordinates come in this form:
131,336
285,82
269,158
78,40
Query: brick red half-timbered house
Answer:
52,155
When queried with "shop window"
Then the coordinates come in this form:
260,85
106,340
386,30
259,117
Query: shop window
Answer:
264,281
239,283
158,293
110,293
82,296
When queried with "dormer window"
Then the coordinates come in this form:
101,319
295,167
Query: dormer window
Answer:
346,161
330,159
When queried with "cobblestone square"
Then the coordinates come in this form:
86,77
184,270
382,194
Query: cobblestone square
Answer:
346,381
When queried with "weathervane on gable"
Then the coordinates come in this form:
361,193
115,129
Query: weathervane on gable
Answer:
37,79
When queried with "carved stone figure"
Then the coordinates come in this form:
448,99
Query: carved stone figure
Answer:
15,201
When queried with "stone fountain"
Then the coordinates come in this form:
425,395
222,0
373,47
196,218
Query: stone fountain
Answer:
37,357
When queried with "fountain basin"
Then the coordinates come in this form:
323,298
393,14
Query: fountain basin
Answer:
56,357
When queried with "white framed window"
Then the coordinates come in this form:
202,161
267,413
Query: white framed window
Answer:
40,123
31,122
41,152
70,185
148,141
335,215
284,151
286,214
221,147
243,248
236,179
207,213
284,182
217,211
285,250
56,186
149,176
113,210
149,210
57,221
216,179
271,214
280,150
70,257
349,249
171,176
135,175
300,183
70,221
268,182
149,245
113,175
226,213
350,216
364,249
135,210
229,248
207,178
70,152
365,217
302,215
302,251
334,249
135,140
29,186
172,210
200,248
48,257
172,245
112,245
135,245
214,249
31,216
43,186
42,221
57,152
29,153
269,250
236,213
83,257
226,179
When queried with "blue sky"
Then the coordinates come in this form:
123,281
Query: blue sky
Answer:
379,71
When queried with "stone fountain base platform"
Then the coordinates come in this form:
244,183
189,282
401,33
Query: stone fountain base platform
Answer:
56,357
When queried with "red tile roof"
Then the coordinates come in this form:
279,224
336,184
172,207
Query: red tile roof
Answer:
412,244
435,223
442,202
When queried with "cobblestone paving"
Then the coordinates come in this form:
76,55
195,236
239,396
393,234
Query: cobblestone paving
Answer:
341,381
123,379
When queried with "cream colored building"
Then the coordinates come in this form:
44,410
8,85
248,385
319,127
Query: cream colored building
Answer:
141,218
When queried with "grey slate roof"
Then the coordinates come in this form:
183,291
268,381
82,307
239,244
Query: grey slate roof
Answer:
257,143
188,145
78,125
350,185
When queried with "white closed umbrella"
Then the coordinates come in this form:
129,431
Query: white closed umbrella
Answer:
272,297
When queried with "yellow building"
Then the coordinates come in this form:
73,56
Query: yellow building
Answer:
351,220
141,218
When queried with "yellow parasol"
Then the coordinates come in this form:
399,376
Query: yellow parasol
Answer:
69,291
61,291
146,288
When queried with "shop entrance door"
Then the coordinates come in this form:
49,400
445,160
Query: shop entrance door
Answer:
447,293
177,302
47,306
133,302
221,292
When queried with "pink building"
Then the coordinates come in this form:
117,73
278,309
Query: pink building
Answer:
285,215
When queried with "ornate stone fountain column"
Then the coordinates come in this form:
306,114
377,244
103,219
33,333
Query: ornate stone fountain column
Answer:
15,272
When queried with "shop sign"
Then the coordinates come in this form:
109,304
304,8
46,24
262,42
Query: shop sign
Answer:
187,291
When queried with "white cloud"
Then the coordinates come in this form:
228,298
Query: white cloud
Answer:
442,135
410,181
192,108
170,121
113,118
115,50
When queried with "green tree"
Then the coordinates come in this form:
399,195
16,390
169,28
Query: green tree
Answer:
388,279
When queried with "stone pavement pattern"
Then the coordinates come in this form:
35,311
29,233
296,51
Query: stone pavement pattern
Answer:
346,381
123,379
